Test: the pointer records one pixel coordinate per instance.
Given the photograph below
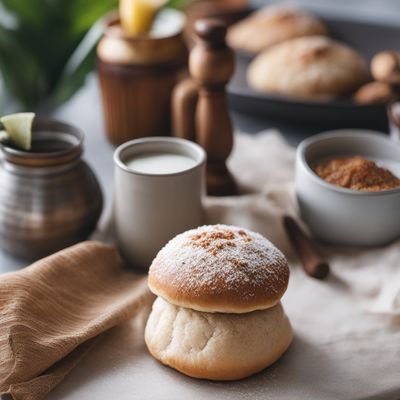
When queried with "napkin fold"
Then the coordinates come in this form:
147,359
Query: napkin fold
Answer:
52,312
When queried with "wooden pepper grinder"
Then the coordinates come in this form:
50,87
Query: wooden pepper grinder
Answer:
200,109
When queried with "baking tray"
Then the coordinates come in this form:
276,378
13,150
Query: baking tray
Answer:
366,37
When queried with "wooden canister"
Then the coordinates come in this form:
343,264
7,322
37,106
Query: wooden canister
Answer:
137,75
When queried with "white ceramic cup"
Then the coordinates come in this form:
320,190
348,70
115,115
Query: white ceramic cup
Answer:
150,209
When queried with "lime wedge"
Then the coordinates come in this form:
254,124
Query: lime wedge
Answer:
19,129
4,137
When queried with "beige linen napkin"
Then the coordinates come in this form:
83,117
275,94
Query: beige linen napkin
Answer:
52,312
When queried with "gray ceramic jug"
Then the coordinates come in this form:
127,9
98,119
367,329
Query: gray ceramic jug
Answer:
49,197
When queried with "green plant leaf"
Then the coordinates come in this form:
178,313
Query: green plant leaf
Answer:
21,72
86,12
32,12
80,63
41,54
178,4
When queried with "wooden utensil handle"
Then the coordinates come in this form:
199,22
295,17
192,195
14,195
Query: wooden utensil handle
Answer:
313,263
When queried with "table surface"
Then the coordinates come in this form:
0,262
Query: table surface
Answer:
84,108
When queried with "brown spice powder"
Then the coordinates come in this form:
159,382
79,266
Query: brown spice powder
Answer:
357,173
216,241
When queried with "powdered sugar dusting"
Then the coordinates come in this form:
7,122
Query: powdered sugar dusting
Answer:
221,260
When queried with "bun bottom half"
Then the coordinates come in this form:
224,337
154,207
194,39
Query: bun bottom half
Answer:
217,346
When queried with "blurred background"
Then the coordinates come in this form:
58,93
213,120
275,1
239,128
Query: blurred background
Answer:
47,46
46,49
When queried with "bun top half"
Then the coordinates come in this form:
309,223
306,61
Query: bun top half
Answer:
220,268
272,25
308,67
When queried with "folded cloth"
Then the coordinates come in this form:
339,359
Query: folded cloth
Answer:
53,311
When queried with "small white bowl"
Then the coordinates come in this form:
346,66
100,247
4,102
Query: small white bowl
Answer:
344,216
